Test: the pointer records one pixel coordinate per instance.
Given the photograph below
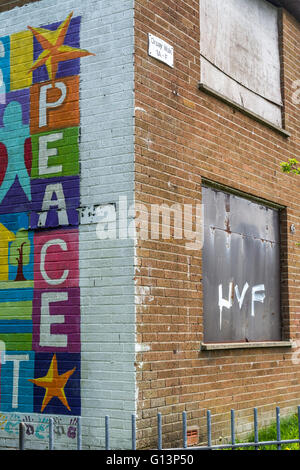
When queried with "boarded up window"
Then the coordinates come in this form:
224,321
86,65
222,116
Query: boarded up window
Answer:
239,45
241,269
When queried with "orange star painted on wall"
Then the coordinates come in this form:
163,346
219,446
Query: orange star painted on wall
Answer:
54,49
54,384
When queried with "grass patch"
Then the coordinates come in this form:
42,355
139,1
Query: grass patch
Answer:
289,430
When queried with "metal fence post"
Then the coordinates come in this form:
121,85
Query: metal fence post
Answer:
208,418
133,432
79,433
21,436
232,421
106,432
51,446
184,429
278,426
255,428
159,431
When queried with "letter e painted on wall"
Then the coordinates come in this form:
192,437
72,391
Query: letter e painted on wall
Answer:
56,320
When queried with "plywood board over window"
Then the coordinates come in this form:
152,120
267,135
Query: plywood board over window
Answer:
239,46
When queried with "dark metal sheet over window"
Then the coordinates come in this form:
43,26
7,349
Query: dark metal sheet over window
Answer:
241,269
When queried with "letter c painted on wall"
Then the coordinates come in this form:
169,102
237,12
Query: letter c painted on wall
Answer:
62,244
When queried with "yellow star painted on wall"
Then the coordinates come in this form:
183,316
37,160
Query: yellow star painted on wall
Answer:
54,49
54,384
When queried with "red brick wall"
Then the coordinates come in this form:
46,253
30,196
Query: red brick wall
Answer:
183,135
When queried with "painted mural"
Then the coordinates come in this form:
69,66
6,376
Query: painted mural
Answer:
39,201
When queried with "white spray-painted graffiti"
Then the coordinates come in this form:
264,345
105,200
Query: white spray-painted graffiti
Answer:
38,426
257,295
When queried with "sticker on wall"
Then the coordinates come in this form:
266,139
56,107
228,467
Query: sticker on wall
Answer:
39,206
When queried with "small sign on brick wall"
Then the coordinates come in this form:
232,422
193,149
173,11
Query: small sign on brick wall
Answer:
160,50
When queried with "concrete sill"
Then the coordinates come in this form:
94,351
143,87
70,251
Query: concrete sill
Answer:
245,111
250,345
